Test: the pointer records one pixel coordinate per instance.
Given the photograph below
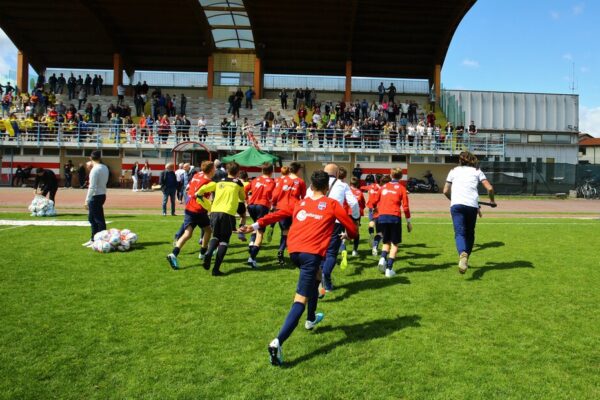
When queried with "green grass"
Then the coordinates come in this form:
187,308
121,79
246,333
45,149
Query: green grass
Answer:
523,322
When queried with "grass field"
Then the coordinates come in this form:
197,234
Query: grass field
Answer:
523,323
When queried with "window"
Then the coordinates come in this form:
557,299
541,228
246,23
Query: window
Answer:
234,78
305,157
324,157
131,153
582,150
31,151
74,152
398,158
512,138
110,153
534,138
362,158
229,23
550,160
528,159
539,160
548,138
150,154
563,139
167,154
417,159
51,151
341,157
517,159
286,156
384,159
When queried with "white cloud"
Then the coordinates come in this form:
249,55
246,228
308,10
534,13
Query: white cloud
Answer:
578,8
589,120
467,62
555,15
567,56
8,54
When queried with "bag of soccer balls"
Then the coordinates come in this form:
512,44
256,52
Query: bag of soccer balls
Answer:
42,207
113,240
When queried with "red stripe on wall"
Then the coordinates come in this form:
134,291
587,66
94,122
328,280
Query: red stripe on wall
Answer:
50,165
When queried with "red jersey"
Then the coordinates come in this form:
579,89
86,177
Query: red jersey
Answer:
198,180
358,194
373,188
390,199
312,225
261,190
288,191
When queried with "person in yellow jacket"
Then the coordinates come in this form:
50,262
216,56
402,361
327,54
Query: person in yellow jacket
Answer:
228,192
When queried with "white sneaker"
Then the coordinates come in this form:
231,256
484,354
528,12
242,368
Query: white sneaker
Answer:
374,251
381,265
390,273
252,263
463,262
201,256
309,325
275,352
89,243
354,253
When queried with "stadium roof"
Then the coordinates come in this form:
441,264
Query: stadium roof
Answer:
381,38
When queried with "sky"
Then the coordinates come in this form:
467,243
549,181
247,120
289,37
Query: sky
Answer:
540,46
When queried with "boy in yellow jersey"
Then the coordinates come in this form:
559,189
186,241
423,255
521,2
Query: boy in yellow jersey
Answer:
229,191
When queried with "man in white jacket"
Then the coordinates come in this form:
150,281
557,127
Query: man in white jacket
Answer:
96,195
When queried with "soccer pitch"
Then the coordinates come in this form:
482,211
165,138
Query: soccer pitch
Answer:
522,323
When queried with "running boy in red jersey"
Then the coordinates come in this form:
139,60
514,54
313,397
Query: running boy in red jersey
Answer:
372,189
259,194
195,214
313,223
390,201
355,188
288,192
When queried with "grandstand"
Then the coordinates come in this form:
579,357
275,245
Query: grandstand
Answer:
216,46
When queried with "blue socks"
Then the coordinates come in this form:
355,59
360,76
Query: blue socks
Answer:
384,254
390,263
371,230
283,243
312,302
176,251
376,240
253,250
356,241
291,322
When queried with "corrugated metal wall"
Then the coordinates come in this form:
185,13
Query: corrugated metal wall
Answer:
518,111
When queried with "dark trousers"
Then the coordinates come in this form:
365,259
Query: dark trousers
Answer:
464,219
51,192
68,179
96,214
169,193
332,252
249,103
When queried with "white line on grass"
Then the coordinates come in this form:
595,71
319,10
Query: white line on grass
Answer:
11,227
17,223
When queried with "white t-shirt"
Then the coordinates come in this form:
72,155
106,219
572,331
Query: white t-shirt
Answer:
464,182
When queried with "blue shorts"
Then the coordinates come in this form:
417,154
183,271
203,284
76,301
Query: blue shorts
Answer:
391,232
195,219
257,211
310,266
285,223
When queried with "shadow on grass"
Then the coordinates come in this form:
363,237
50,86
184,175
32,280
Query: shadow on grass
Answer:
369,284
409,255
359,333
424,268
261,268
492,266
488,245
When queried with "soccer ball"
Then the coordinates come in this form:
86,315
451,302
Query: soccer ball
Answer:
124,246
102,246
131,238
115,239
114,231
124,233
100,235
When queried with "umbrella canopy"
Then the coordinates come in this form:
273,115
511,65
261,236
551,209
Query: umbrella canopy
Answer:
251,157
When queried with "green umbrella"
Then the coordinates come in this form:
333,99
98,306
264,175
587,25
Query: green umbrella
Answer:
251,157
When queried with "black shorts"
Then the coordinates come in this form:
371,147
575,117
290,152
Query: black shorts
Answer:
241,210
195,219
222,225
257,211
391,232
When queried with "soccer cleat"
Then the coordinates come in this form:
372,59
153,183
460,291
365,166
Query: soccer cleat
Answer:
269,234
344,262
206,263
89,243
216,272
463,262
280,259
252,263
354,253
390,273
275,353
242,237
374,251
172,259
381,265
309,325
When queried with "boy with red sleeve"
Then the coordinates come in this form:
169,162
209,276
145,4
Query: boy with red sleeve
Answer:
313,223
288,191
354,187
195,214
390,201
259,194
372,190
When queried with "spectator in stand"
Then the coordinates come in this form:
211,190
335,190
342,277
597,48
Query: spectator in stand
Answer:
231,102
52,82
283,96
173,106
98,90
185,128
88,83
307,100
381,92
202,131
135,172
82,97
269,117
250,93
472,128
431,118
95,83
61,82
295,98
97,114
46,182
71,84
301,113
68,171
120,94
17,177
391,93
183,106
